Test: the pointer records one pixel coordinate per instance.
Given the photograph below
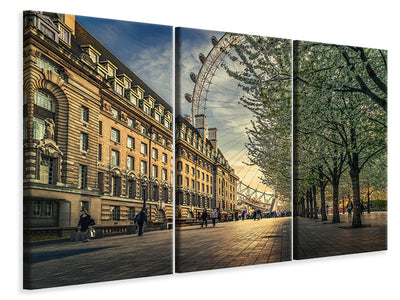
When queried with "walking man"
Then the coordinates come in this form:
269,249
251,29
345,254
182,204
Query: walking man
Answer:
349,209
214,215
204,218
140,218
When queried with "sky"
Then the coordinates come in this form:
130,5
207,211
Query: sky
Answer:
145,48
223,109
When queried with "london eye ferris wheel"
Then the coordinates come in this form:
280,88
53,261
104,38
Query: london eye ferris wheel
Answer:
216,95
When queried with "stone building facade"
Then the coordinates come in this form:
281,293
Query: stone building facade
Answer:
204,178
95,135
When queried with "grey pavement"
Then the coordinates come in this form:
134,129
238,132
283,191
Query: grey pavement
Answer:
314,238
109,258
233,244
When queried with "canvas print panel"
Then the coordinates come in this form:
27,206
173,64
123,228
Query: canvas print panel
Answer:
340,149
97,149
233,150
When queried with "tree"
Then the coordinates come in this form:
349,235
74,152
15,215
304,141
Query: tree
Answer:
356,70
265,76
345,116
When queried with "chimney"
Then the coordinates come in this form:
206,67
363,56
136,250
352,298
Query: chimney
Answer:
200,125
212,136
69,20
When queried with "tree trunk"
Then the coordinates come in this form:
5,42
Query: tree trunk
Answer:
307,212
369,200
322,192
314,196
355,182
335,216
309,196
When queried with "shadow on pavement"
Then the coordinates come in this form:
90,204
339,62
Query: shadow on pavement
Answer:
33,258
197,228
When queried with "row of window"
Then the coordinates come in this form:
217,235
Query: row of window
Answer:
83,172
116,114
116,135
131,189
195,159
204,176
195,200
115,185
197,143
204,188
115,213
130,143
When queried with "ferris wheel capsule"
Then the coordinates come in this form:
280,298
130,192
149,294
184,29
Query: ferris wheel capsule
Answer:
193,77
214,40
188,98
202,58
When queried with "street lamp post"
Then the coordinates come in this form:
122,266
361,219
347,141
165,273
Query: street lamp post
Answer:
144,186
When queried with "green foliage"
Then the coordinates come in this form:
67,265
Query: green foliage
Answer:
340,97
265,75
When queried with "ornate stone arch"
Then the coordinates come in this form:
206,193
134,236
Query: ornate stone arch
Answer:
131,187
56,140
160,215
131,175
52,83
116,171
115,181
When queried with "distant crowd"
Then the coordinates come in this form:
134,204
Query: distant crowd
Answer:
255,215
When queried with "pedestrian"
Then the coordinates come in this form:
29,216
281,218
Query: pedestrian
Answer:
204,218
85,222
243,215
214,215
140,219
349,209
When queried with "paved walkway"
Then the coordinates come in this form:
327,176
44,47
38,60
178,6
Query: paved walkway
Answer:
110,258
233,244
314,238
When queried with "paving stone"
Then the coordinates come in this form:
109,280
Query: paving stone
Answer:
109,258
319,239
242,242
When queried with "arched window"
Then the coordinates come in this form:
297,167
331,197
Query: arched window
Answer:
165,194
115,185
156,192
131,188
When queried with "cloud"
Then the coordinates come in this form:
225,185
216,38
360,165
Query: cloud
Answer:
154,66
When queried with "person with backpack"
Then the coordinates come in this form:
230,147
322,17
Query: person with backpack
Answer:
140,219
